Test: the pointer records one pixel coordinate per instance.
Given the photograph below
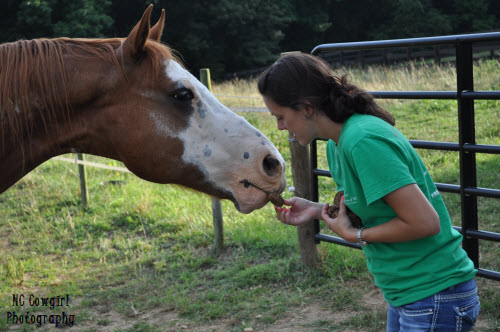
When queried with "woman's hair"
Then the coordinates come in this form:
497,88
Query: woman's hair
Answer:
299,79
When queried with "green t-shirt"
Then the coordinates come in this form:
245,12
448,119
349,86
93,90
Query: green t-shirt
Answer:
371,160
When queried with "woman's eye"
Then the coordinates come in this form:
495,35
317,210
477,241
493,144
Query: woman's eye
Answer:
183,95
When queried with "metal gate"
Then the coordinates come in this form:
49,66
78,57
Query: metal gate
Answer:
466,147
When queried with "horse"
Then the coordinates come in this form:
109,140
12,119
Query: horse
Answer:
129,99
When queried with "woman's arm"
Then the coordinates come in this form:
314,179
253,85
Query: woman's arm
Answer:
416,219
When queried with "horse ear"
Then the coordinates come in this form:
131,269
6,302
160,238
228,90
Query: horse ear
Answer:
157,29
136,40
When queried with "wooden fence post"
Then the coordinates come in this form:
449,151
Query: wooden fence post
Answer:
302,181
437,54
218,225
83,181
216,205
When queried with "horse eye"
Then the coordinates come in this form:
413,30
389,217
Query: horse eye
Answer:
183,95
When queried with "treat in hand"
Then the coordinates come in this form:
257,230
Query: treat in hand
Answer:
333,211
276,199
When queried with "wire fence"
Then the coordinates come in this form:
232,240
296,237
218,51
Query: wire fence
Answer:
78,161
247,97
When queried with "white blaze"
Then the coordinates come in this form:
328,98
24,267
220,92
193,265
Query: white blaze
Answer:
216,138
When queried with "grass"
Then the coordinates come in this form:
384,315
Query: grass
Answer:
143,251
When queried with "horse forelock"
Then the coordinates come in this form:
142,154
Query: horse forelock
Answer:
156,54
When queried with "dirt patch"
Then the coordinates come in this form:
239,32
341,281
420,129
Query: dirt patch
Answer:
5,243
373,299
315,316
305,318
302,319
114,321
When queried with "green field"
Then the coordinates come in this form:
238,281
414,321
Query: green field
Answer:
140,258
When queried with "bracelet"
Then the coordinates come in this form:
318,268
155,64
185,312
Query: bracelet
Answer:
360,240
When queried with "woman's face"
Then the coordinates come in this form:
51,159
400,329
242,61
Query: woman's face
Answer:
296,122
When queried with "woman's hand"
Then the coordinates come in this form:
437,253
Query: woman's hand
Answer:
340,225
301,211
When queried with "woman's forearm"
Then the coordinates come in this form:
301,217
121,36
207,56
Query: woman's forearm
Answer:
397,230
416,218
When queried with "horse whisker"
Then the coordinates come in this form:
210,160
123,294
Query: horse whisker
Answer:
273,197
247,184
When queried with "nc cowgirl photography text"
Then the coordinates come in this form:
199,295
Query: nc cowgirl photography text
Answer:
25,311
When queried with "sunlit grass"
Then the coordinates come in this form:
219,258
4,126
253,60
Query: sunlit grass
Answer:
410,77
238,93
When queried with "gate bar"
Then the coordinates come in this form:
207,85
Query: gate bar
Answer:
424,41
467,134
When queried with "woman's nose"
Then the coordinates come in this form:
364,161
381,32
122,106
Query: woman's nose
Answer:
281,125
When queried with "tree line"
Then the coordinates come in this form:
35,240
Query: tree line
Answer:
233,35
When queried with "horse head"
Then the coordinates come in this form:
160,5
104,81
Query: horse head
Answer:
139,105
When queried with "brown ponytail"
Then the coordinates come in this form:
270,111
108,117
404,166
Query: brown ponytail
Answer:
301,79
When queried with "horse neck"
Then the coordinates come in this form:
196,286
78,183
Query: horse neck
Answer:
37,125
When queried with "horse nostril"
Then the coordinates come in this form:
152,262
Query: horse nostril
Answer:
271,165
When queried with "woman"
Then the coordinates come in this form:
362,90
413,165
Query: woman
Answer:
411,248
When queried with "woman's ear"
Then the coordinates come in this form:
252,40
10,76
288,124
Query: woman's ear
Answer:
308,110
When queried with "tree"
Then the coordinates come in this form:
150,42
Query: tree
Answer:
8,21
235,35
307,26
57,18
248,32
472,16
226,35
126,13
359,20
82,18
34,19
418,18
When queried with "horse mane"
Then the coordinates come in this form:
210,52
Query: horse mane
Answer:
32,76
